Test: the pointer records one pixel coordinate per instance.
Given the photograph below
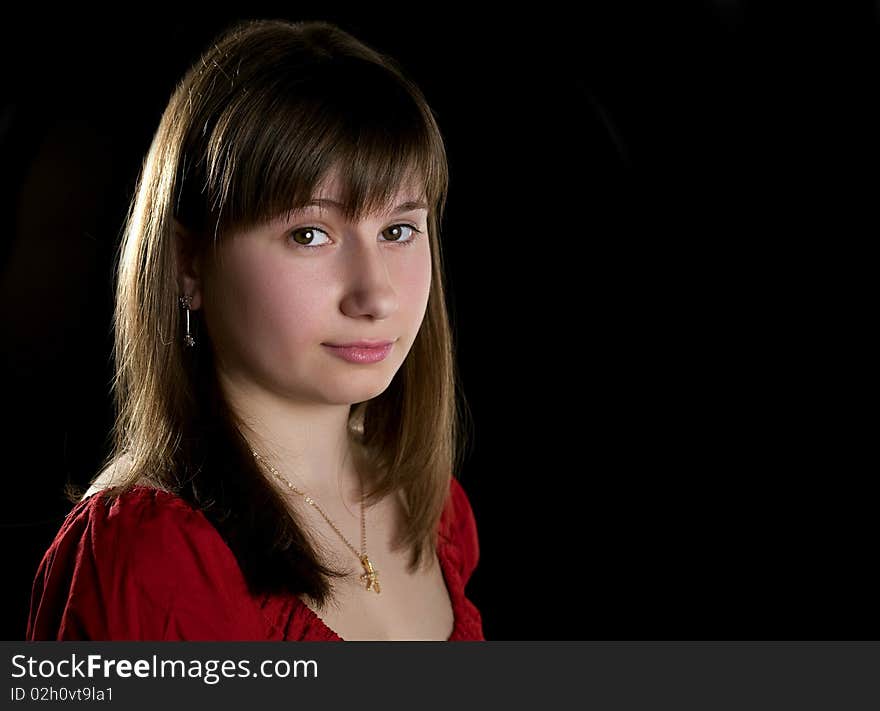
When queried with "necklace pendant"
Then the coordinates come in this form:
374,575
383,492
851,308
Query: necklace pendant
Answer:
370,576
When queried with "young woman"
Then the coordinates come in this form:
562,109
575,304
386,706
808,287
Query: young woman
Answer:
287,426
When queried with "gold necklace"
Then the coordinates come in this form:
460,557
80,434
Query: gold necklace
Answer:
370,576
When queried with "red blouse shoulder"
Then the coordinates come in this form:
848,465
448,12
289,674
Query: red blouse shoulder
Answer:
458,527
140,566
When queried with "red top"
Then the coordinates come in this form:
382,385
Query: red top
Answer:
150,567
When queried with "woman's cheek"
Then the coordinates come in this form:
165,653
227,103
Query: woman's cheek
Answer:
416,282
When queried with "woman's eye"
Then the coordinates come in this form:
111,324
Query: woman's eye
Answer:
398,232
402,234
305,236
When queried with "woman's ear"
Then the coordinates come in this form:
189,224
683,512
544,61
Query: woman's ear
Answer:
188,265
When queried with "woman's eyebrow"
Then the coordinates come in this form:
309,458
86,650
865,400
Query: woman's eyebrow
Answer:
403,207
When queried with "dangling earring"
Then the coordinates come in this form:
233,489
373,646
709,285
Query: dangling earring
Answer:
188,340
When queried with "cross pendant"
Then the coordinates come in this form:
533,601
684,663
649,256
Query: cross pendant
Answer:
370,576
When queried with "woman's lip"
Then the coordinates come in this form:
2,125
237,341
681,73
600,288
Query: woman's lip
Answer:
355,354
361,344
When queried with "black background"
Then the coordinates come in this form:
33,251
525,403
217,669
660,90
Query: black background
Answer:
668,209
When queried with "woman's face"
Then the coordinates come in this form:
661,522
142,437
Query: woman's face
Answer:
271,301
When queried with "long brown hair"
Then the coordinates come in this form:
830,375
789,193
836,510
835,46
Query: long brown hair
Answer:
257,122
